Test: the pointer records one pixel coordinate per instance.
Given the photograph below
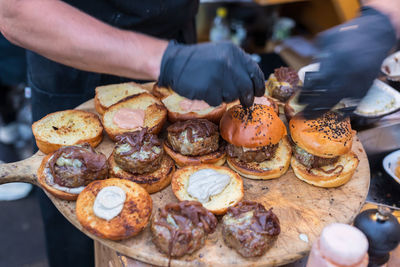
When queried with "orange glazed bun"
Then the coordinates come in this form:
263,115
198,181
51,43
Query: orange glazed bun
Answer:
259,126
326,136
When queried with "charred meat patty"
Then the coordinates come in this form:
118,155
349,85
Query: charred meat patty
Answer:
289,83
250,229
75,166
259,154
193,137
310,160
181,228
138,152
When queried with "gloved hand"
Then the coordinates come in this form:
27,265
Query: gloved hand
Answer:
351,56
213,72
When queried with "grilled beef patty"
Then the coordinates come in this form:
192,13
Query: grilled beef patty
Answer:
254,155
138,152
288,75
250,229
310,160
181,228
193,137
75,166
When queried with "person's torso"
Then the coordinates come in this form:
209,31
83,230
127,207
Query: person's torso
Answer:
168,19
160,18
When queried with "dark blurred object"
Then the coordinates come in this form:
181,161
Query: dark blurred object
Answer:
15,109
12,79
383,233
258,21
12,63
269,62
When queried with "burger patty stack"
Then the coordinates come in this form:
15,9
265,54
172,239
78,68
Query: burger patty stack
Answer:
194,141
283,83
322,153
139,156
258,147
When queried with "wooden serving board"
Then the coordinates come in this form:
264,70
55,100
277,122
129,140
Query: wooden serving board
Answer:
303,211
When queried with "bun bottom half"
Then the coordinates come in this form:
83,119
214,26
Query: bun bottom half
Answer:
218,204
151,182
269,169
216,158
320,178
132,219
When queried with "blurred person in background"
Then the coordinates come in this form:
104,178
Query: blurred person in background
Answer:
78,45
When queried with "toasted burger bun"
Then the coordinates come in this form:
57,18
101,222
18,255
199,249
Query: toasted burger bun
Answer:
155,114
271,102
218,204
68,127
132,219
325,137
152,182
269,169
161,92
262,129
108,95
42,179
176,113
319,178
217,158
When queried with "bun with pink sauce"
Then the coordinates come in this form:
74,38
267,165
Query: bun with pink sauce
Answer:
180,109
135,113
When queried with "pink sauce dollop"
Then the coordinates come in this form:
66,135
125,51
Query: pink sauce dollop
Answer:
193,105
128,118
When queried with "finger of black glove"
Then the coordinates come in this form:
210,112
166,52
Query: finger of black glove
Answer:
257,77
313,111
244,86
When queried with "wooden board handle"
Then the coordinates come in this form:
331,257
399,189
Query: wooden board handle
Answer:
20,171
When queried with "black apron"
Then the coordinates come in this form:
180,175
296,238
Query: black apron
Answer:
58,87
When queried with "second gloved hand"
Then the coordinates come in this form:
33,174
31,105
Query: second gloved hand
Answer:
351,56
213,72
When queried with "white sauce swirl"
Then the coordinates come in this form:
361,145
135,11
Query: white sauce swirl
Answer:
109,202
206,183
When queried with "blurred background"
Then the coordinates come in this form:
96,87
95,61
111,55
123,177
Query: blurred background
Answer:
276,32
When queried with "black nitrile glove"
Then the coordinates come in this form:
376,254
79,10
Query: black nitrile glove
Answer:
351,56
213,72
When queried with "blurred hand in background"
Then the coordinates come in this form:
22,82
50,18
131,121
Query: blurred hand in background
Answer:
350,55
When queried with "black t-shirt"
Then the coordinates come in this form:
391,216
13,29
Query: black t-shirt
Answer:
57,87
160,18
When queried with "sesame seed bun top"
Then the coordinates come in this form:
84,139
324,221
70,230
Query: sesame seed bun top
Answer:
326,136
255,127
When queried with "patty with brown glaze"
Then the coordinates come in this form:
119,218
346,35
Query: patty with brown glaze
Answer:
181,228
259,154
75,166
193,137
310,160
291,81
250,229
138,152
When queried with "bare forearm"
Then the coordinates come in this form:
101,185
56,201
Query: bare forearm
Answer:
69,36
390,8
